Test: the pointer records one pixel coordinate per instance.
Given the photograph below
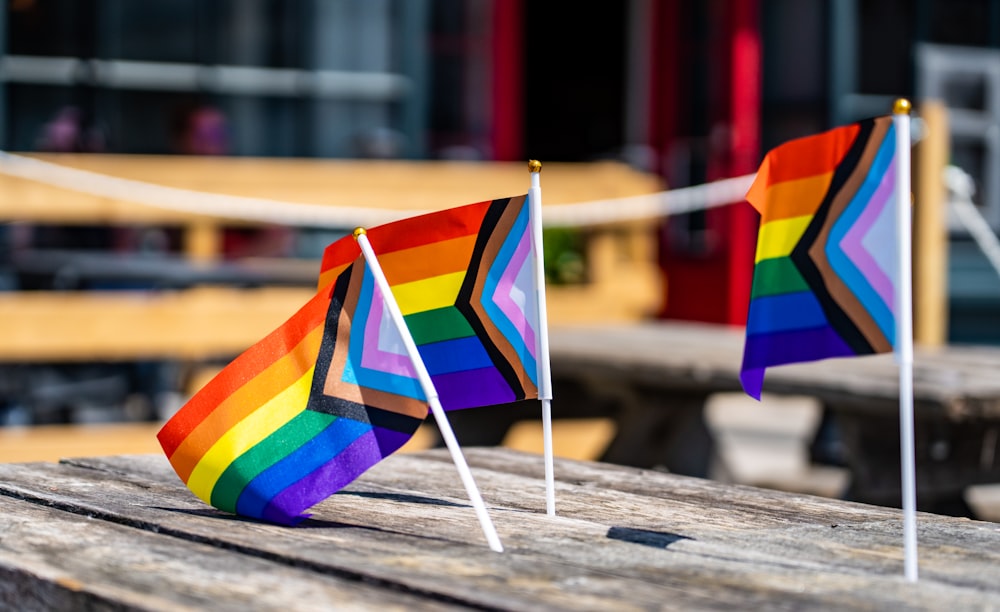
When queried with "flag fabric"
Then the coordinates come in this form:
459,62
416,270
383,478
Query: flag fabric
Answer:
464,281
331,392
826,265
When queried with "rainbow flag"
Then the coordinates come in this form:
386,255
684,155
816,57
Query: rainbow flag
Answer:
463,279
331,392
826,265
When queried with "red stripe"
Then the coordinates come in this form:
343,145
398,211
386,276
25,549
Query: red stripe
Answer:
801,158
244,368
812,155
407,233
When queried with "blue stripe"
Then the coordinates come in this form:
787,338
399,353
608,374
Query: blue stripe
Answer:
493,277
841,264
303,461
784,312
456,355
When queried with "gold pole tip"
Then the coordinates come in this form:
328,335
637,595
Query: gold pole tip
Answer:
901,107
534,165
359,231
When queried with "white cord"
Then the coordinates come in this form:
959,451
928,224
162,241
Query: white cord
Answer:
609,211
960,190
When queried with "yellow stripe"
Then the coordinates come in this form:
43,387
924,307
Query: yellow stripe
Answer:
778,238
429,293
248,433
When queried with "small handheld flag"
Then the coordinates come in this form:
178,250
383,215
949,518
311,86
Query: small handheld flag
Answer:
409,348
832,275
543,362
471,287
826,265
332,391
463,280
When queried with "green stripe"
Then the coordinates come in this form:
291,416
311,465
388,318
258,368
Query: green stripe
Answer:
776,276
272,449
437,325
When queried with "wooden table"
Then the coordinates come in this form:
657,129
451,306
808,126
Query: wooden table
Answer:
654,378
124,533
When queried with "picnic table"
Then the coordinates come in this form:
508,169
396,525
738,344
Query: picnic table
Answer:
654,379
122,532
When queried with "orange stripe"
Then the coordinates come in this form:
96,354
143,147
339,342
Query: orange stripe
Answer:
791,199
799,159
407,233
327,277
418,263
247,366
429,260
244,401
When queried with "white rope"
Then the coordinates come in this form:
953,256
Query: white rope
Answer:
210,204
261,210
653,205
961,189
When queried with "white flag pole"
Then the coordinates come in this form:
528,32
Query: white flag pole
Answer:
544,365
904,339
432,396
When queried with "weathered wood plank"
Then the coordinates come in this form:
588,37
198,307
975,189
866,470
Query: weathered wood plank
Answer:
56,560
745,564
456,568
827,535
624,537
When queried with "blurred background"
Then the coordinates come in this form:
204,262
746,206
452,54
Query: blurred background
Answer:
677,93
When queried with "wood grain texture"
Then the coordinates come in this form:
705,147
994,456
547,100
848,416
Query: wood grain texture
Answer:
56,560
625,539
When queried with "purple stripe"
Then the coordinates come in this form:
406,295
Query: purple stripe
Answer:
753,381
764,350
855,249
473,388
335,474
390,441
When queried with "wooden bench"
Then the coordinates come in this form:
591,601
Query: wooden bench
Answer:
622,281
124,533
194,324
221,322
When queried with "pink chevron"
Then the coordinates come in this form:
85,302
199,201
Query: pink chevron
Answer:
379,330
503,295
856,247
